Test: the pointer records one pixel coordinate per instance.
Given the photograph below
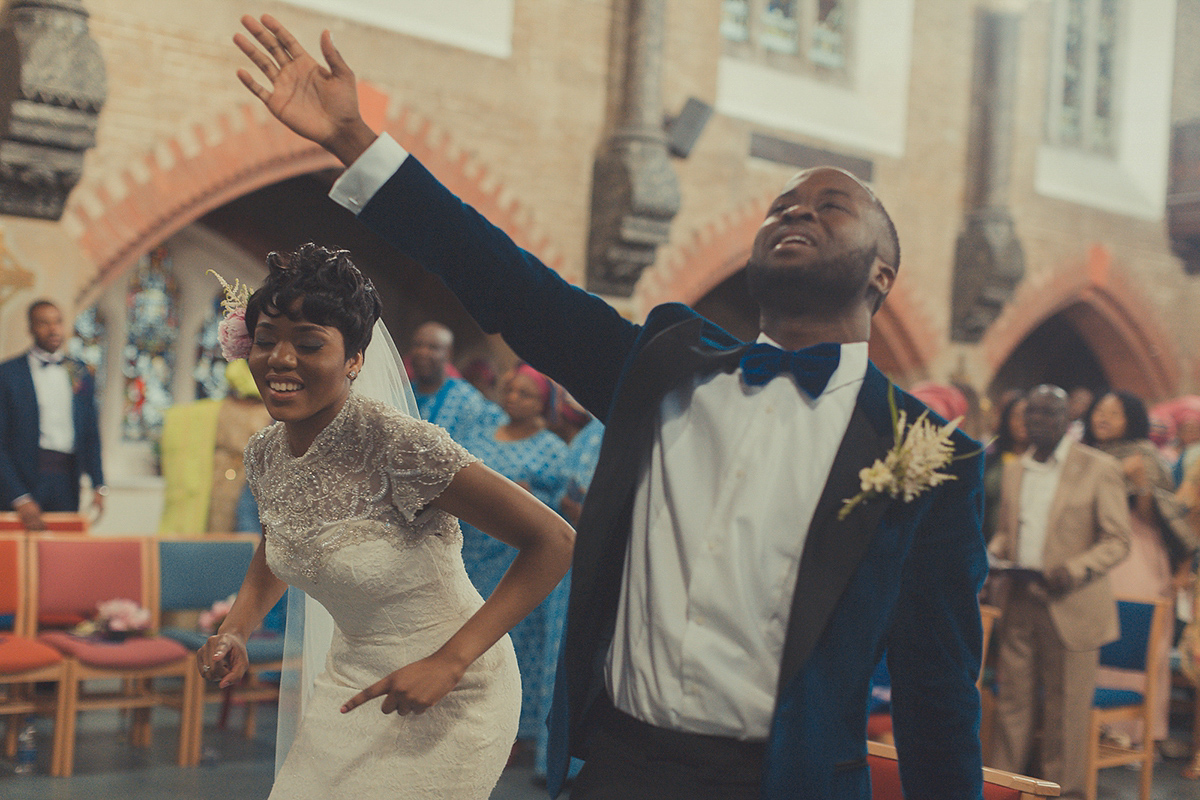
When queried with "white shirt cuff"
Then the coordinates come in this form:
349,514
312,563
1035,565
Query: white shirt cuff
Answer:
371,170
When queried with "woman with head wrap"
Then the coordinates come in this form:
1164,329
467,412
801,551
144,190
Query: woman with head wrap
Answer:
524,450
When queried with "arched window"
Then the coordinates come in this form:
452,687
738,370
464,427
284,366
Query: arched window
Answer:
209,372
89,344
149,355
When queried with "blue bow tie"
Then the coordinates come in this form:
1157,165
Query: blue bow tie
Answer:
48,362
812,367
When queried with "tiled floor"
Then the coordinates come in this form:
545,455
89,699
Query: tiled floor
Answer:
107,767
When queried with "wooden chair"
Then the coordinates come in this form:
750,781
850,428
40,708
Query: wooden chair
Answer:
70,575
56,522
997,784
879,724
192,574
1144,622
25,662
987,693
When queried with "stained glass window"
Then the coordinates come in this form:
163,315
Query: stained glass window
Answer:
1084,80
149,356
1106,57
779,26
804,35
210,366
735,20
827,45
87,345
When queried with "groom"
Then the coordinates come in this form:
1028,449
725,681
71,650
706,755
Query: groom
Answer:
725,618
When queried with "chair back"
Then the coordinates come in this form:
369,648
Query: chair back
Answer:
1137,629
195,573
55,521
76,573
12,601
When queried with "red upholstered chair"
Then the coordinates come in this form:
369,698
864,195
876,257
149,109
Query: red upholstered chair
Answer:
997,784
75,573
25,661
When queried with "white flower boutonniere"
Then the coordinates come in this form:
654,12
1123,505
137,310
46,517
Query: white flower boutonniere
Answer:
911,466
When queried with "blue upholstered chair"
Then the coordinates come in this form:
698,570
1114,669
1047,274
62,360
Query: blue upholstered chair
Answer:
194,573
1144,622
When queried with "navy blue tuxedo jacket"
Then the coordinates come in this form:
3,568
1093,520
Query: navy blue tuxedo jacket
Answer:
19,429
892,576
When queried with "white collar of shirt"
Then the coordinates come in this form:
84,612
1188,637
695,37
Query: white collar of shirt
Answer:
38,356
1054,462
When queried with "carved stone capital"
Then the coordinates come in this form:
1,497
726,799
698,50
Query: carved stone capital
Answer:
989,262
52,87
635,195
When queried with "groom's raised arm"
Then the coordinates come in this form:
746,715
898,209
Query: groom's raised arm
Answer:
573,336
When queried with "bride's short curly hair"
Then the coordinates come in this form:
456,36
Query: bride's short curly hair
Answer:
331,291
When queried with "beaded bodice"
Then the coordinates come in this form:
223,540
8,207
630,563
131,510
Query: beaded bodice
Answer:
372,466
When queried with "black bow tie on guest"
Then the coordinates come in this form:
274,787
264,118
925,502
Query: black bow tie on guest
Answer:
52,360
812,367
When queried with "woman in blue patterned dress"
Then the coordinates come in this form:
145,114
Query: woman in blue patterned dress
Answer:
524,451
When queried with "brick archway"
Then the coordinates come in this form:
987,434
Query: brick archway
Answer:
1113,319
202,169
903,341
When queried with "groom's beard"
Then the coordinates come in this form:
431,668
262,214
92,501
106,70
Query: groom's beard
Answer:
823,286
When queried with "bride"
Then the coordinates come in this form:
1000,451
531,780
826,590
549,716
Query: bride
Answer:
359,504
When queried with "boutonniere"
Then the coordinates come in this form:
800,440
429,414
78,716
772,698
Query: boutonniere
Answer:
232,333
73,368
911,465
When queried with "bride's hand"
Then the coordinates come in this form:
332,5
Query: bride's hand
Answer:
319,104
412,689
223,658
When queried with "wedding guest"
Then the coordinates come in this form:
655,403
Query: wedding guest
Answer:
523,450
49,431
1011,441
1064,523
1159,558
729,601
443,399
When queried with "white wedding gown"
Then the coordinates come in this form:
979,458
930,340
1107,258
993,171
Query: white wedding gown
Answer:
348,523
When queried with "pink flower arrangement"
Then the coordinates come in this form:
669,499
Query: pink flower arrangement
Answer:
232,333
119,618
211,620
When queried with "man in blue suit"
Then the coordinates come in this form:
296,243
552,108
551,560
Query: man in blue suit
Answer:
725,616
49,435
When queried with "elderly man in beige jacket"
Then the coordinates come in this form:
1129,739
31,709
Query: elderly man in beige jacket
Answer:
1063,523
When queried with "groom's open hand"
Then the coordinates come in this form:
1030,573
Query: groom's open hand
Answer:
319,103
412,689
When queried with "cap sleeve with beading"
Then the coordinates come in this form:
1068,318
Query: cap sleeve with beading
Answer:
421,460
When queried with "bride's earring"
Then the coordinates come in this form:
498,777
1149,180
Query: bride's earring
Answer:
353,375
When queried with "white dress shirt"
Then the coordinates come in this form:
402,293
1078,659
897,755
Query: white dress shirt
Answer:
52,385
1039,482
720,518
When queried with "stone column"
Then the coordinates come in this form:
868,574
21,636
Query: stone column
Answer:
52,86
989,260
635,193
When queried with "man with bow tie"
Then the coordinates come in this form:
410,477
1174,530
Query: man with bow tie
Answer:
49,434
725,617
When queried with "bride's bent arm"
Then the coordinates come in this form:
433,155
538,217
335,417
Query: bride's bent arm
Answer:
223,657
544,541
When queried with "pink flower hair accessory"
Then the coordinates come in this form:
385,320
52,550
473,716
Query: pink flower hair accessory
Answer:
232,333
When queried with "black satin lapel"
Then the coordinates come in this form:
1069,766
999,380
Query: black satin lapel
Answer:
834,547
